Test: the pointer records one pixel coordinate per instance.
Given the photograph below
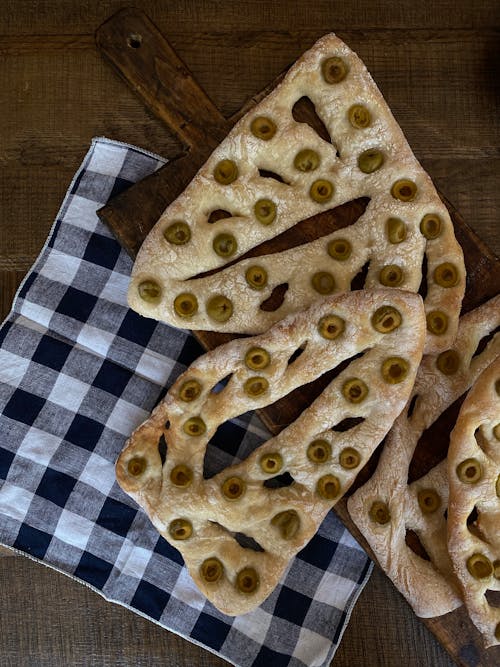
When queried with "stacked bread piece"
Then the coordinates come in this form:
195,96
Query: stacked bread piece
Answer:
202,267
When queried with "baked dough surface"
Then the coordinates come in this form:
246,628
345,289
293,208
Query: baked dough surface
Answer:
320,453
368,156
429,585
475,549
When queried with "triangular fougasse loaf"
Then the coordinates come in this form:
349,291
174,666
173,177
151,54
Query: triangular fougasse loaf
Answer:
318,455
270,173
386,507
474,502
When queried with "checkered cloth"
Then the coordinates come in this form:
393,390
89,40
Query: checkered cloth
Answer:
78,372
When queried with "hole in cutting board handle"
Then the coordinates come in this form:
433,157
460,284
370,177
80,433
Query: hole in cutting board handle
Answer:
134,41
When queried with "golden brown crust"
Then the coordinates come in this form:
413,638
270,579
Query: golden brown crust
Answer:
281,520
474,441
429,586
423,226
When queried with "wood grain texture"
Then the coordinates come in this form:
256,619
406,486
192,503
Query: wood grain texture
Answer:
435,64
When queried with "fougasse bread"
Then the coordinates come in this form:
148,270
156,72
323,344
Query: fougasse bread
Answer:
279,494
474,502
386,506
271,172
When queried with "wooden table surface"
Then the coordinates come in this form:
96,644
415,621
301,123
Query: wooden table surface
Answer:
436,63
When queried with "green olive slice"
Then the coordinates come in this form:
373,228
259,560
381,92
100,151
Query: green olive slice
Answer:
225,172
247,580
225,245
437,322
186,304
334,69
396,230
339,249
404,190
395,370
287,522
328,487
429,500
359,116
219,308
136,466
323,282
194,426
319,451
448,362
479,566
306,160
370,160
430,226
349,458
469,471
180,529
271,463
211,570
354,390
256,277
331,326
263,127
178,233
255,386
446,275
385,319
391,275
321,191
181,475
379,512
257,358
233,488
265,211
189,390
149,291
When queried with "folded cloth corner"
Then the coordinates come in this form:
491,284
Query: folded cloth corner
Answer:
78,372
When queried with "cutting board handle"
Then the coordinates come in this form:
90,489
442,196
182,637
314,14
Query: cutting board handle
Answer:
148,63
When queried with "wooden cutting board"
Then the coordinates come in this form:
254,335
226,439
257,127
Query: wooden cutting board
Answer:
151,67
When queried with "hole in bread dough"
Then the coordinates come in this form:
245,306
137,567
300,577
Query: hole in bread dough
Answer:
422,290
432,446
307,230
413,542
265,173
247,542
162,448
412,406
276,298
481,346
293,357
493,598
218,214
217,388
358,282
347,424
473,525
280,481
304,111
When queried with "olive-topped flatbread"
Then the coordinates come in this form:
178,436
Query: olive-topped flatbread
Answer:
271,172
279,494
387,507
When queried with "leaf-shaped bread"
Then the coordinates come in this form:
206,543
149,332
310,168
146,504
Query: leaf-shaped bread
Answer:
474,482
315,455
270,172
386,507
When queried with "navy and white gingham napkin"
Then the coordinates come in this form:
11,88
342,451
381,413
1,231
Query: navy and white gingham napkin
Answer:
78,372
